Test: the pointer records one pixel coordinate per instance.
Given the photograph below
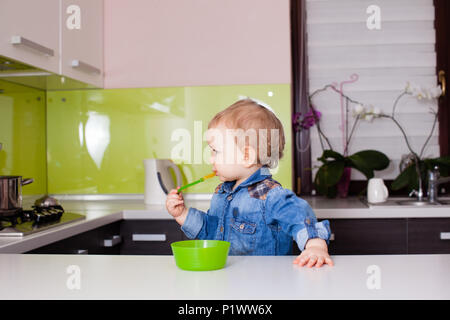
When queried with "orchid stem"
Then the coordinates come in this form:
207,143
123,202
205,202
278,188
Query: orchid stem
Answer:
346,128
396,101
403,132
353,129
321,134
429,136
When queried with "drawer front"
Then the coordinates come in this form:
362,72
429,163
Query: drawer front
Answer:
368,236
79,244
428,236
152,237
89,242
106,239
72,245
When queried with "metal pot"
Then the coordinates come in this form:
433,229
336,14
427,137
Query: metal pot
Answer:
11,192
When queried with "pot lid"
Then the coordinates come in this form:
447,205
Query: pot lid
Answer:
46,201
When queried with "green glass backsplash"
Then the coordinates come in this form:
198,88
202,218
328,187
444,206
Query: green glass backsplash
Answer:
97,139
22,133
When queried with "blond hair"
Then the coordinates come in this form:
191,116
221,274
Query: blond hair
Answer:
249,115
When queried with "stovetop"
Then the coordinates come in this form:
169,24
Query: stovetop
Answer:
24,222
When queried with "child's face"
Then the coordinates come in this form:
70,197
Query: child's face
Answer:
227,159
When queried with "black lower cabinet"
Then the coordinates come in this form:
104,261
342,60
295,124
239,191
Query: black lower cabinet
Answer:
388,236
127,237
349,237
149,236
368,236
102,240
429,236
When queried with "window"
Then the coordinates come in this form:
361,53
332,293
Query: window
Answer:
340,43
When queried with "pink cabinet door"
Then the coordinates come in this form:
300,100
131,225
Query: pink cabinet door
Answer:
168,43
29,32
82,40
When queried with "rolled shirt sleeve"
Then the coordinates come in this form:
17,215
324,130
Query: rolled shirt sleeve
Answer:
199,225
295,217
193,223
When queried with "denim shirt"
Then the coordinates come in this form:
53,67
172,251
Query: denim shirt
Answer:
259,217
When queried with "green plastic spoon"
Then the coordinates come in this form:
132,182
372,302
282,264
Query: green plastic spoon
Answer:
197,181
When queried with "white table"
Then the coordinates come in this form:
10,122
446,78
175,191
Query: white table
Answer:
157,277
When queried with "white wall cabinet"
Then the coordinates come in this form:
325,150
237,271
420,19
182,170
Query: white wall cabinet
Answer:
173,43
82,40
61,36
37,25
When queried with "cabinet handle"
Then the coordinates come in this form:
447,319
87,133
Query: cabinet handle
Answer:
82,66
149,237
31,44
112,242
444,236
82,251
442,81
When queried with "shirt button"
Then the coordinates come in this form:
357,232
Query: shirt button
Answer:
308,221
221,229
241,226
229,197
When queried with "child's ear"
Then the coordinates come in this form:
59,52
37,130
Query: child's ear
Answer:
250,156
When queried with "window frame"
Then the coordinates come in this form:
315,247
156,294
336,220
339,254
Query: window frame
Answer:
302,174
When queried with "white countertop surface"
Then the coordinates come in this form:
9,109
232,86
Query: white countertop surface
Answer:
248,277
102,212
324,208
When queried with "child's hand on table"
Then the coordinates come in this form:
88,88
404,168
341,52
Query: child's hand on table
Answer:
175,206
315,254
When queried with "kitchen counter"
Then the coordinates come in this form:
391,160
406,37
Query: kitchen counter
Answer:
248,277
115,208
324,208
97,213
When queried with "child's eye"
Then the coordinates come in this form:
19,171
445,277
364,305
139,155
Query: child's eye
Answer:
213,150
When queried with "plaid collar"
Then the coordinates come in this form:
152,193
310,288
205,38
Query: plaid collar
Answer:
259,175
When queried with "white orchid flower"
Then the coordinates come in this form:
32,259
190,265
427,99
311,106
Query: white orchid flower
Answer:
358,109
436,92
418,93
415,90
408,87
368,117
421,92
425,93
376,112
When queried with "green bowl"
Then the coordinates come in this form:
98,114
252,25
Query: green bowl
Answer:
200,255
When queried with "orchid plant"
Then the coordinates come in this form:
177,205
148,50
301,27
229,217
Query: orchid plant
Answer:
413,166
333,176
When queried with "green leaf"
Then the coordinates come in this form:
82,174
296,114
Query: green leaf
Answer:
404,178
367,161
328,176
323,189
441,162
444,160
331,192
408,178
414,180
371,159
330,154
361,166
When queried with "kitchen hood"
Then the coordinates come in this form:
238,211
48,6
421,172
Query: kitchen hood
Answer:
23,74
